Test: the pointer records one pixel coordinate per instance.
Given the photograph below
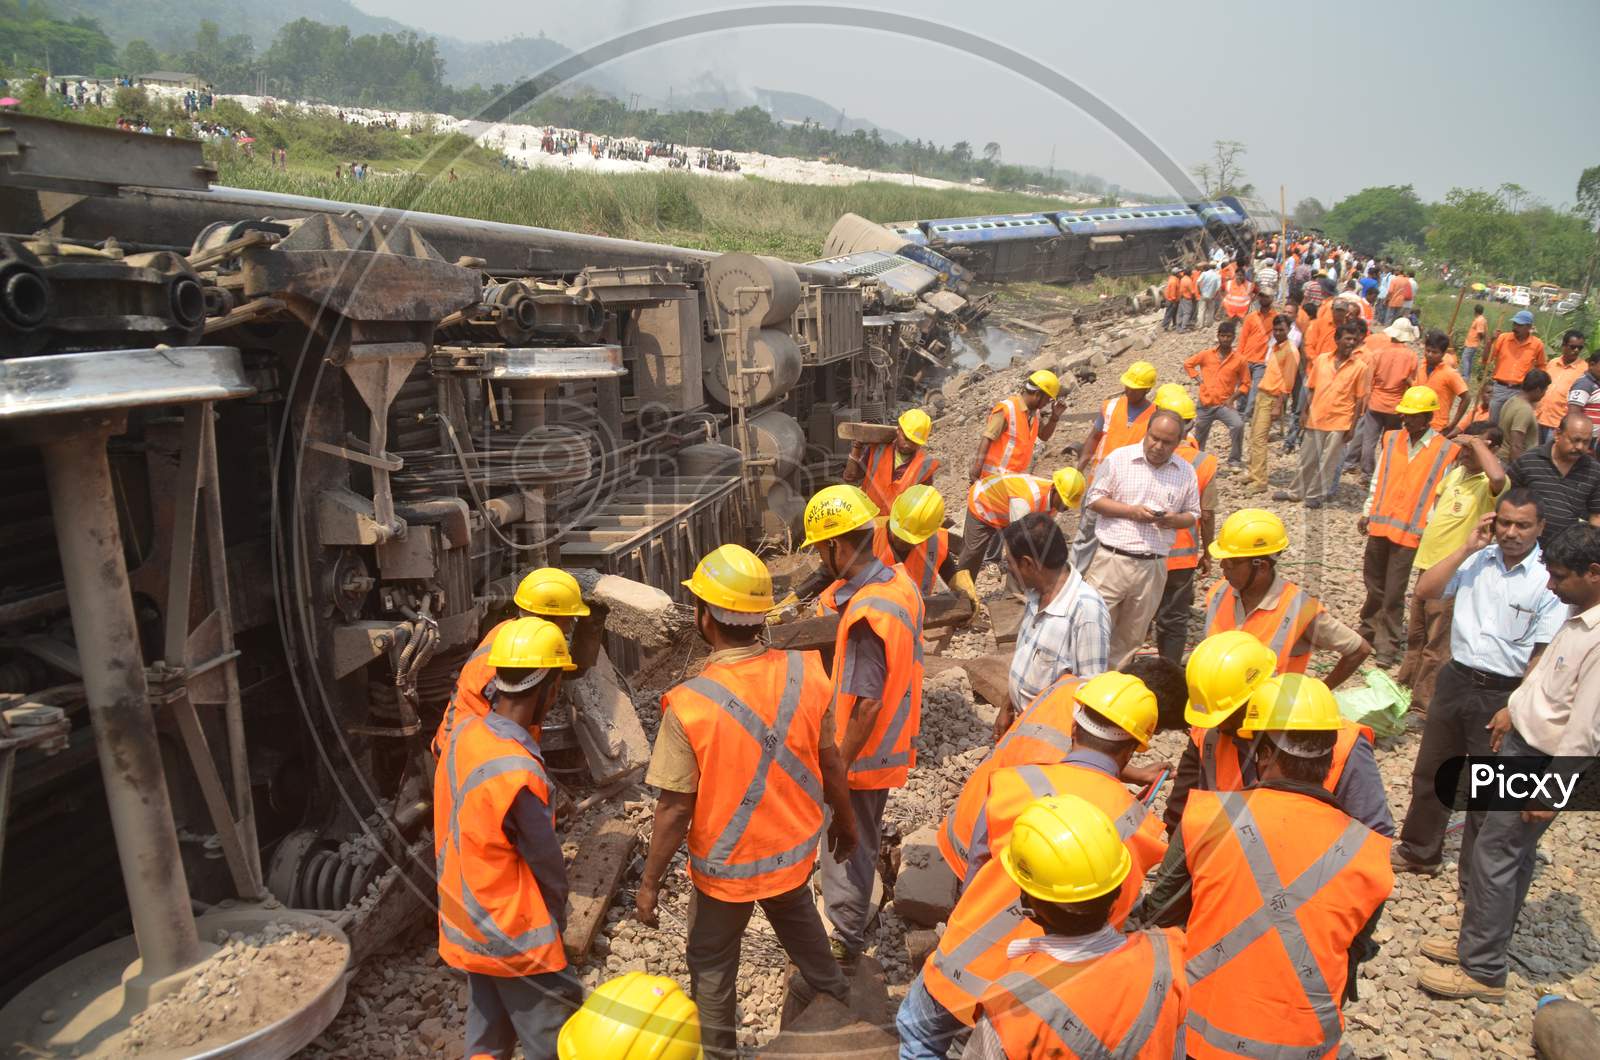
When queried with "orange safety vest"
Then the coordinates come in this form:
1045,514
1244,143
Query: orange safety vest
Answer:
1282,628
989,499
921,564
754,726
492,916
1222,770
884,485
1129,1003
893,608
1282,885
1013,450
1172,288
1236,298
971,956
1185,554
1407,485
468,701
1119,430
1041,735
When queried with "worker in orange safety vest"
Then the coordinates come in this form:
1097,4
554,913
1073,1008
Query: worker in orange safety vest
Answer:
744,759
885,471
876,692
1081,989
1236,294
914,537
1222,674
994,502
1042,735
1278,859
548,593
1169,296
1412,462
1015,426
502,882
972,954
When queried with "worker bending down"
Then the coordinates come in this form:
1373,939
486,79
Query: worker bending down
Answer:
549,593
1116,717
876,693
914,537
502,879
996,501
1224,671
1280,859
1082,988
744,760
886,471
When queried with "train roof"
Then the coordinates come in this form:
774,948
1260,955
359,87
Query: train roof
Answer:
984,229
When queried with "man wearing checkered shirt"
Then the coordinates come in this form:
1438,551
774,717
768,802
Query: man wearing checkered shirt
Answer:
1143,497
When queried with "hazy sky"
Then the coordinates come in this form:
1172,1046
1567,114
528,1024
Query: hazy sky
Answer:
1327,98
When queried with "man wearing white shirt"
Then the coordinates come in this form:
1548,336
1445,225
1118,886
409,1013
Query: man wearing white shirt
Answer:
1554,713
1142,497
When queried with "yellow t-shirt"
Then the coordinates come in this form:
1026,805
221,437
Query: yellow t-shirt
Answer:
1463,500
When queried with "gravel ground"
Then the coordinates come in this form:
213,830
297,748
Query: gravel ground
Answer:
407,1004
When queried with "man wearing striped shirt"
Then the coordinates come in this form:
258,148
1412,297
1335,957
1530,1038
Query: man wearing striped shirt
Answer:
1563,475
1065,629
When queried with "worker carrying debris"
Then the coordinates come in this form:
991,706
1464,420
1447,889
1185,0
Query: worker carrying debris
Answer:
1082,988
502,879
1278,858
1015,426
876,692
549,593
745,758
884,471
1223,672
914,537
1116,716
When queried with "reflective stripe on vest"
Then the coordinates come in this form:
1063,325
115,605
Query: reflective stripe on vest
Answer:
1119,430
773,752
882,754
880,482
1223,769
1236,299
496,944
1396,471
1053,1011
1297,610
923,562
1277,914
1013,450
989,499
1185,554
468,698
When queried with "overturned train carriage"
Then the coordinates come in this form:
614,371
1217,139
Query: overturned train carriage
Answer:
1057,246
299,452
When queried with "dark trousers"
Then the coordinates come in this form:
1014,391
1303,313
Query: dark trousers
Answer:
1498,853
977,538
1169,319
1172,616
1427,648
1386,568
1457,716
503,1010
716,928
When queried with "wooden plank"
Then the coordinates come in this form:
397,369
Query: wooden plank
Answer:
594,878
871,433
808,634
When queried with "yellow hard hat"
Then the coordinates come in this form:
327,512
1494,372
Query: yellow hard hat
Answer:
916,514
1123,700
1250,532
529,644
1174,398
1063,848
837,510
633,1017
916,424
1418,399
1046,381
551,591
735,584
1291,703
1069,485
1141,375
1222,672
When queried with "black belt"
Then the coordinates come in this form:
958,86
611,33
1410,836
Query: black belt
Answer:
1125,552
1485,679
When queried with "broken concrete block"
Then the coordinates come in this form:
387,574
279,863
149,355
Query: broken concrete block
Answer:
605,721
925,891
639,612
1047,361
827,1027
1099,358
1144,340
920,944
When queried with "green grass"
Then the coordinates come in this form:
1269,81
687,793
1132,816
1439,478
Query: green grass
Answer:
682,209
1436,303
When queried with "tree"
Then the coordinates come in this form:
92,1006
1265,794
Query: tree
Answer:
1373,216
1309,212
991,152
1589,209
139,58
1223,174
961,151
1513,194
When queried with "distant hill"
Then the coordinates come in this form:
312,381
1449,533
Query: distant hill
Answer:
796,106
169,25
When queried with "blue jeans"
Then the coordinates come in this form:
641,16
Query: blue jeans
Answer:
926,1027
1248,407
1468,357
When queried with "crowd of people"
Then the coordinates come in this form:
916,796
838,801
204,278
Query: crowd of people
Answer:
1232,924
567,142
